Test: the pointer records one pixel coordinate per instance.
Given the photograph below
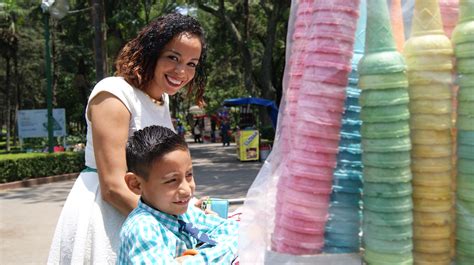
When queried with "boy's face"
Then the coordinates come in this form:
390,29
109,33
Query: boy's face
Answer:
170,185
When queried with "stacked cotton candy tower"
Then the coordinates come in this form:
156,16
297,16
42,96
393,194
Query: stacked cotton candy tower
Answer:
428,53
298,44
323,44
449,14
463,38
449,10
396,20
343,226
387,216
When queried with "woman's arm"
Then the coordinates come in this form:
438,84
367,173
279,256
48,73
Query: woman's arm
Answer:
110,123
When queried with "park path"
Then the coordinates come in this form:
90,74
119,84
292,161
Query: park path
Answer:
28,216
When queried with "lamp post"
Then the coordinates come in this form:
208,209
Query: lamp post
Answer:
55,9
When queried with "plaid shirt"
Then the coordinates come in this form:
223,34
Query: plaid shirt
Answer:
149,236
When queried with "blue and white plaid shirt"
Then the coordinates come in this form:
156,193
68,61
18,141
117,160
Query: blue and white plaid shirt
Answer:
149,236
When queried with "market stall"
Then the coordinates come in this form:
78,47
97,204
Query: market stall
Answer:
247,136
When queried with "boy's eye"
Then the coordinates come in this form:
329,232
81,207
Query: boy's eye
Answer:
189,175
170,181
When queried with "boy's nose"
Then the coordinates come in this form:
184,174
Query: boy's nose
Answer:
185,189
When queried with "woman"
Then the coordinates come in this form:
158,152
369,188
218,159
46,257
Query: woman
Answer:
167,55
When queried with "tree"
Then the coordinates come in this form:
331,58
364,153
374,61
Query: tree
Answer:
100,37
257,47
10,15
246,54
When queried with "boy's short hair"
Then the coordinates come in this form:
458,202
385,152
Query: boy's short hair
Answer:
149,144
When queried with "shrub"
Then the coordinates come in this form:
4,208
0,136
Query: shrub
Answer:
15,167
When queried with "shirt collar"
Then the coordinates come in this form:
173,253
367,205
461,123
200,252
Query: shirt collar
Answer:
168,220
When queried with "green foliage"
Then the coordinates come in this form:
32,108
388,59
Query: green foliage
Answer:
226,60
25,166
73,51
223,65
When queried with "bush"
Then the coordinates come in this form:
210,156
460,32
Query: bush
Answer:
15,167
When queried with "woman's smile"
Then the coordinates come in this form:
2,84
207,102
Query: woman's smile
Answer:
173,81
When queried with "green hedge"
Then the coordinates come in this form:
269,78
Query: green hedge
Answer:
15,167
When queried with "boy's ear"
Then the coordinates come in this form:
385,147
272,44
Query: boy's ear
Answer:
133,183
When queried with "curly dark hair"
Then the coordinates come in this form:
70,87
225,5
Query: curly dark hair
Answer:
150,144
136,61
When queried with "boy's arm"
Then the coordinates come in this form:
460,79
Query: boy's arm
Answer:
224,232
144,244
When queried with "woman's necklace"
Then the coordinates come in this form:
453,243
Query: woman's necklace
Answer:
158,102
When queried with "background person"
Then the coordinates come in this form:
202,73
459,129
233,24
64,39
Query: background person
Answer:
197,132
180,130
225,133
167,55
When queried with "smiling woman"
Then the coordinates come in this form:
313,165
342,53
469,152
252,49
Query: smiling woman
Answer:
167,55
176,65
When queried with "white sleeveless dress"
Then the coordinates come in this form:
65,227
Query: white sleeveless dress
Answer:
88,227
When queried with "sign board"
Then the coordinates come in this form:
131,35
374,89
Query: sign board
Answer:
34,123
248,145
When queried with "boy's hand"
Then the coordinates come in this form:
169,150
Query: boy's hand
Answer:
199,202
201,205
209,211
186,254
180,259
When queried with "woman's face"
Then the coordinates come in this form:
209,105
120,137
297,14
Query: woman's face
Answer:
176,65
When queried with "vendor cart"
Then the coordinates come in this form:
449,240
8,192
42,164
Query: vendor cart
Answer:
247,136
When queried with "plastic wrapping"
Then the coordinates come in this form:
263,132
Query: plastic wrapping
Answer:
449,14
372,119
288,205
313,126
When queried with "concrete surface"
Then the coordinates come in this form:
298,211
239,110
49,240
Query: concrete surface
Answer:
28,216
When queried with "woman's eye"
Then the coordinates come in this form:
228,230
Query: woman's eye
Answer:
193,65
172,57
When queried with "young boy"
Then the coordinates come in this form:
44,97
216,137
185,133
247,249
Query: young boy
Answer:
165,225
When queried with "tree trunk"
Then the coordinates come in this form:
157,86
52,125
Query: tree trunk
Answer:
17,98
54,60
239,39
100,36
266,73
8,116
146,9
247,60
81,83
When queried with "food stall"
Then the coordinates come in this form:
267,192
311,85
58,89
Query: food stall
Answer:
248,137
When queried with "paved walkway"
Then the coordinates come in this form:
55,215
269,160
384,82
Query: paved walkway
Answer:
28,216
